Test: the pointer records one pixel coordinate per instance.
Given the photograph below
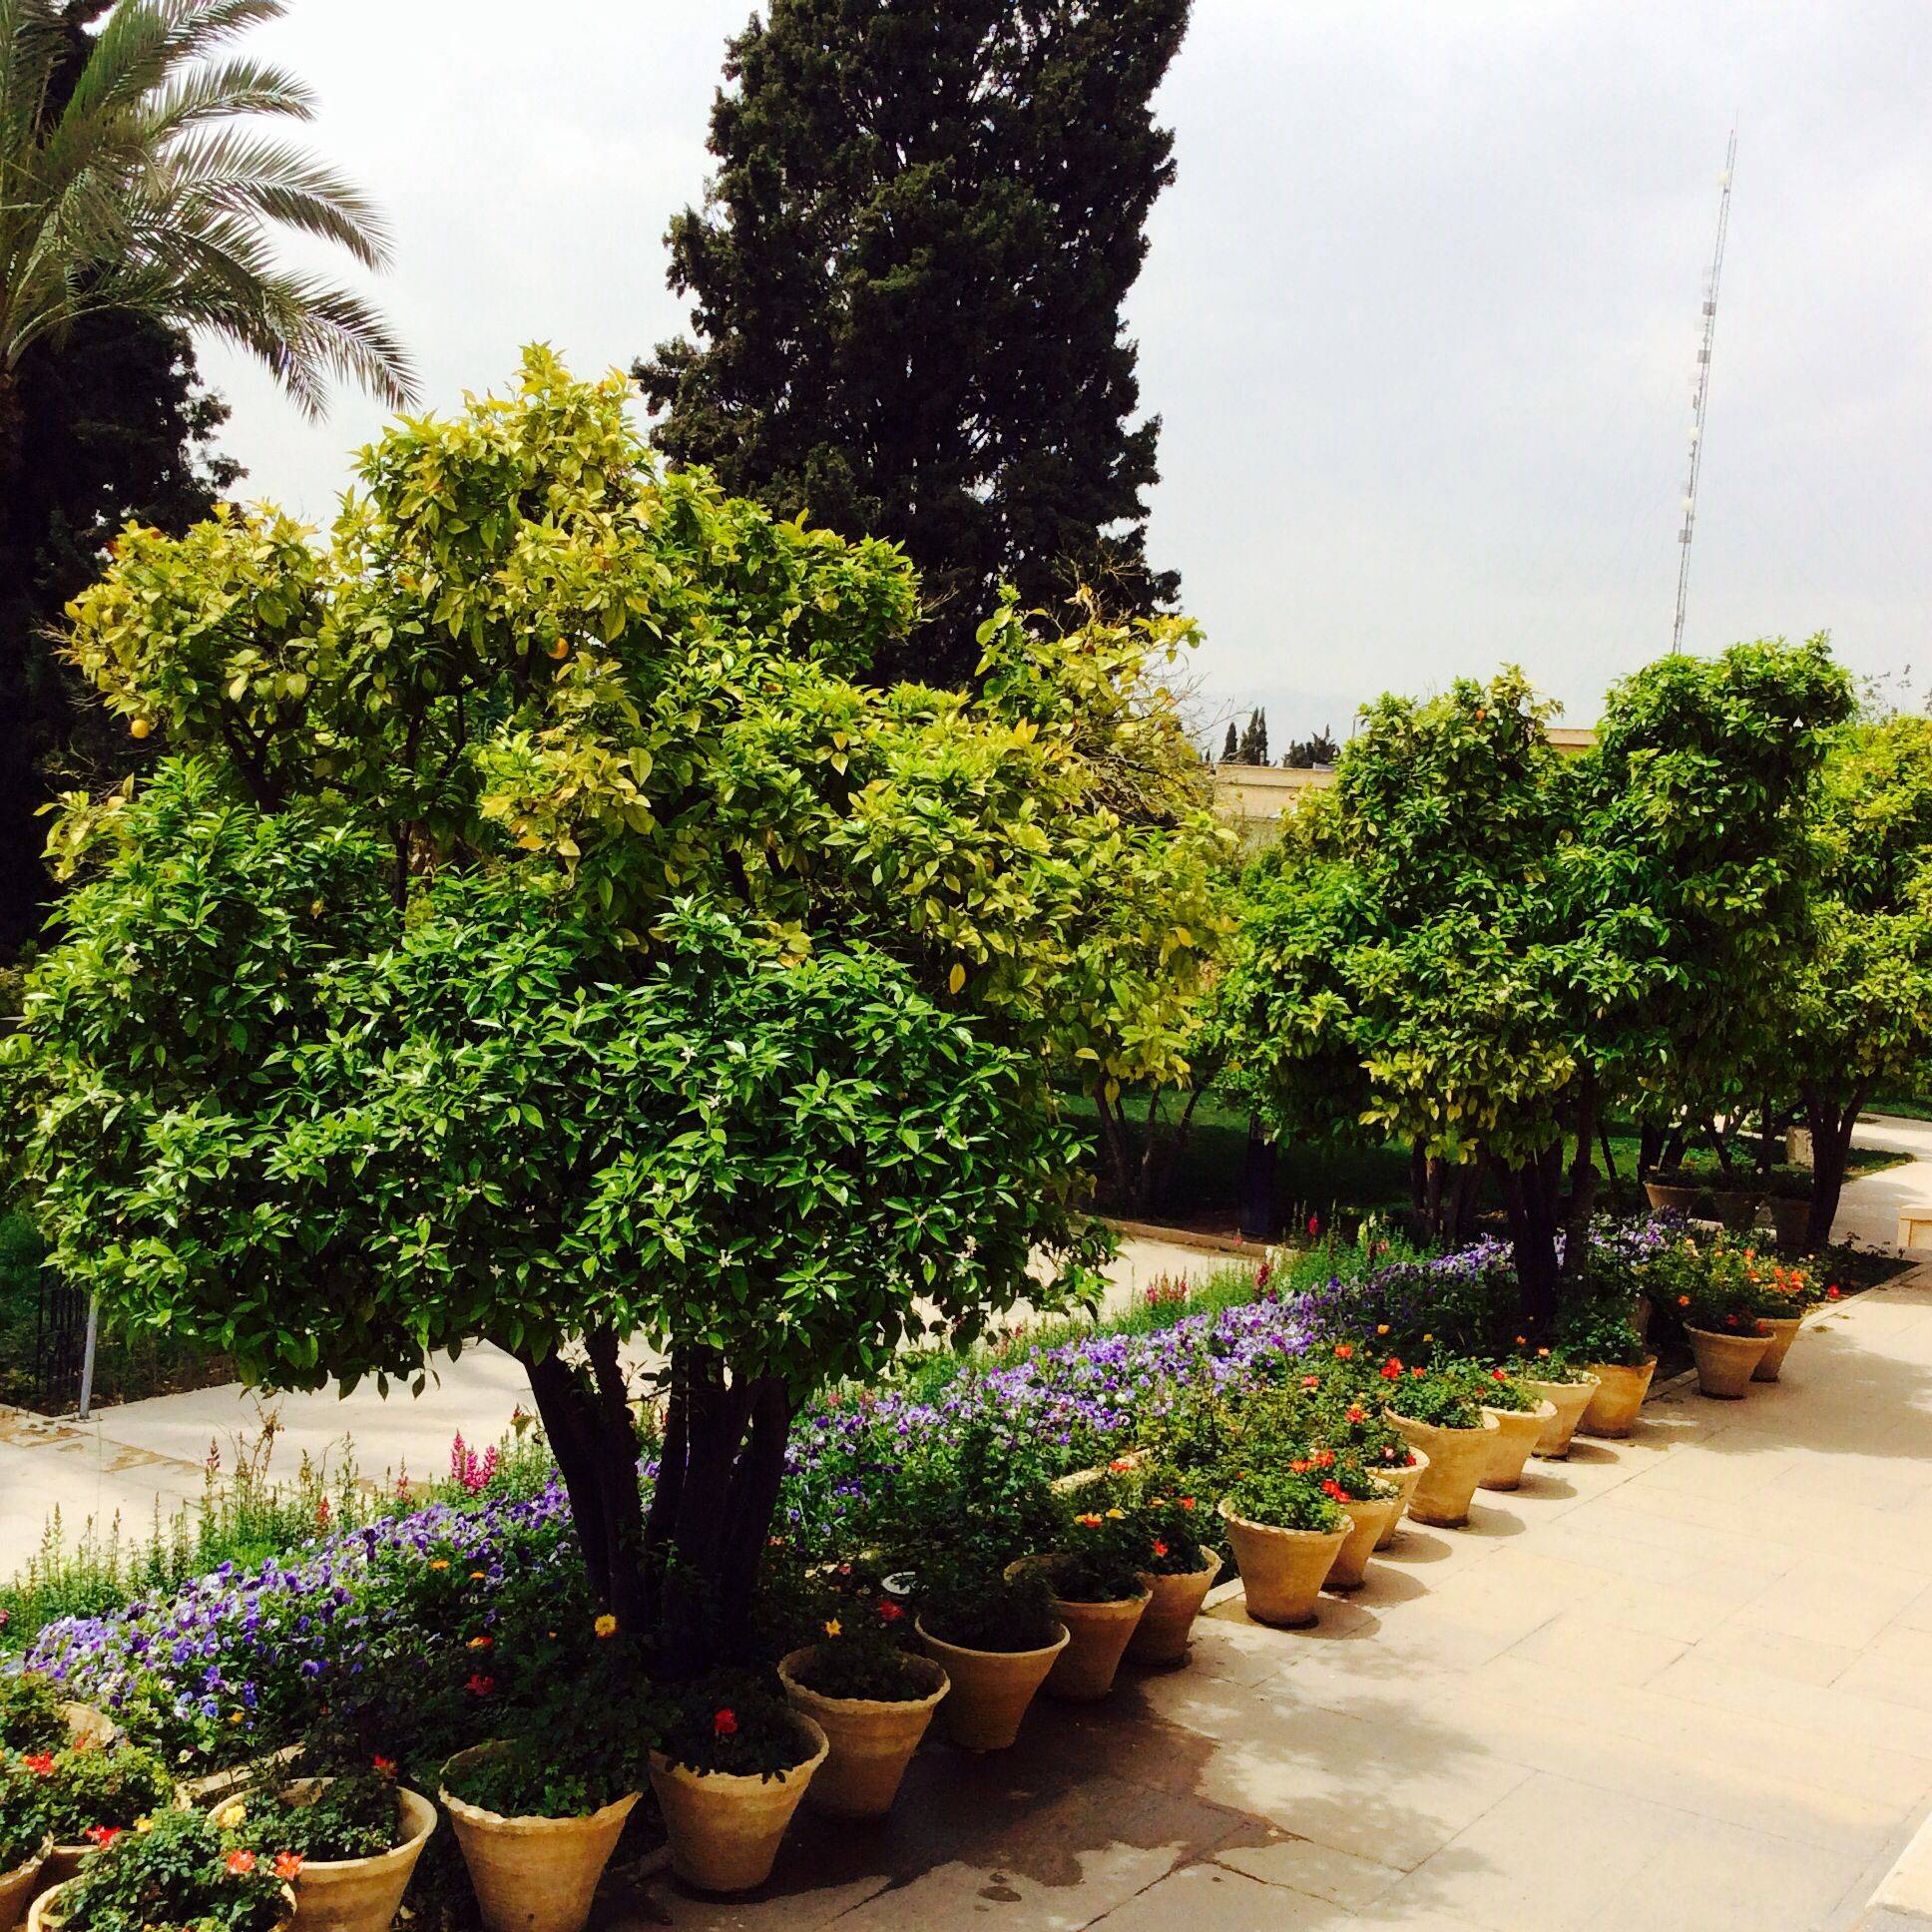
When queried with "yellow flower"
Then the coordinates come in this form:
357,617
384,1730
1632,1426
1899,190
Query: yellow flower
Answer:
1117,1515
606,1624
477,1576
439,1563
231,1816
144,1824
235,1716
833,1627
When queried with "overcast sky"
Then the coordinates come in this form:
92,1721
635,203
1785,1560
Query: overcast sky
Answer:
1420,316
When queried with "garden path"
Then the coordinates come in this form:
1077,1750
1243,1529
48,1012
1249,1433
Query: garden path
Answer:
1684,1680
138,1456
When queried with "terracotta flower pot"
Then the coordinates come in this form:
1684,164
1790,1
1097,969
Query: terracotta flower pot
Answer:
533,1874
1671,1199
45,1916
1517,1431
88,1728
17,1887
361,1894
1405,1481
1569,1400
991,1689
724,1829
1458,1460
1792,1220
1620,1395
1167,1624
1282,1571
1724,1361
1736,1208
872,1738
1784,1331
1099,1634
1370,1520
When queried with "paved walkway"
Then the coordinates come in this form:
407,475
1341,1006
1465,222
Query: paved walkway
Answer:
1679,1682
139,1456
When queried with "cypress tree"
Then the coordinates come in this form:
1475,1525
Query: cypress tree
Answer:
907,281
1230,751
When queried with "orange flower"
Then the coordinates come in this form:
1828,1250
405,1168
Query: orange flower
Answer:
1186,1502
289,1865
1160,1548
1344,1352
239,1863
482,1643
1087,1521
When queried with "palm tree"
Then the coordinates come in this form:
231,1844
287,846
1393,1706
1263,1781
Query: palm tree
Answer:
138,185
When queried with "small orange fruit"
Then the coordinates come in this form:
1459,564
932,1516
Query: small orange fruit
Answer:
139,728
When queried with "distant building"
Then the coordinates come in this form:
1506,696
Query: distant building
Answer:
1253,796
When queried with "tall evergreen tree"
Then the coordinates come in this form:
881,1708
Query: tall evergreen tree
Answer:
908,282
1230,751
1255,744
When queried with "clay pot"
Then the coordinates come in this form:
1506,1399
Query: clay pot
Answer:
1620,1395
872,1738
18,1887
1784,1331
1737,1209
533,1874
1724,1361
1167,1624
1405,1481
1517,1431
1282,1571
1792,1220
1458,1461
1671,1199
88,1728
991,1689
1370,1519
361,1894
1569,1400
724,1828
46,1908
1099,1634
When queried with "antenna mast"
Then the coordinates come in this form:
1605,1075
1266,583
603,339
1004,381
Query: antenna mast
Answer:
1700,390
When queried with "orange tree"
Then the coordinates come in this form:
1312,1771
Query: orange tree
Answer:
539,934
1475,943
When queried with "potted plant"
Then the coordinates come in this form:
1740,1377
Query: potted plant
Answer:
1550,1376
348,1841
1727,1334
1519,1419
538,1809
1674,1190
1790,1291
94,1796
1286,1531
34,1716
1180,1571
1095,1587
996,1639
1372,1503
873,1699
1596,1334
172,1870
1790,1188
1351,1419
734,1762
1435,1413
24,1839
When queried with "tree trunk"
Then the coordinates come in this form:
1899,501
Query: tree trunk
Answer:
1162,1193
1830,1123
1529,1195
1650,1152
1257,1184
1582,1180
1117,1147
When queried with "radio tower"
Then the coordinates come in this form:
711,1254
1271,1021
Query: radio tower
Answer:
1700,390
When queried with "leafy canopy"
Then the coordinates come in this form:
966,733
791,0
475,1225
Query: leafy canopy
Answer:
537,928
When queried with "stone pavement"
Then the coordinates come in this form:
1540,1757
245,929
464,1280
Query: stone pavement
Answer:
1681,1681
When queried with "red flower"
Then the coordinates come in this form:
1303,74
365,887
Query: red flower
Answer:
1312,1381
1392,1369
1832,1294
1344,1352
723,1724
1418,1373
1186,1502
239,1863
1497,1375
1314,1226
479,1686
289,1865
39,1764
1160,1548
481,1643
1324,1458
102,1834
384,1767
1358,1415
890,1611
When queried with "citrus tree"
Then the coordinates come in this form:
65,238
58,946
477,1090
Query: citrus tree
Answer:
1860,1012
539,935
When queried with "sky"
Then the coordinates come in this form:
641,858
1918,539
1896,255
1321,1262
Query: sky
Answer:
1420,315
